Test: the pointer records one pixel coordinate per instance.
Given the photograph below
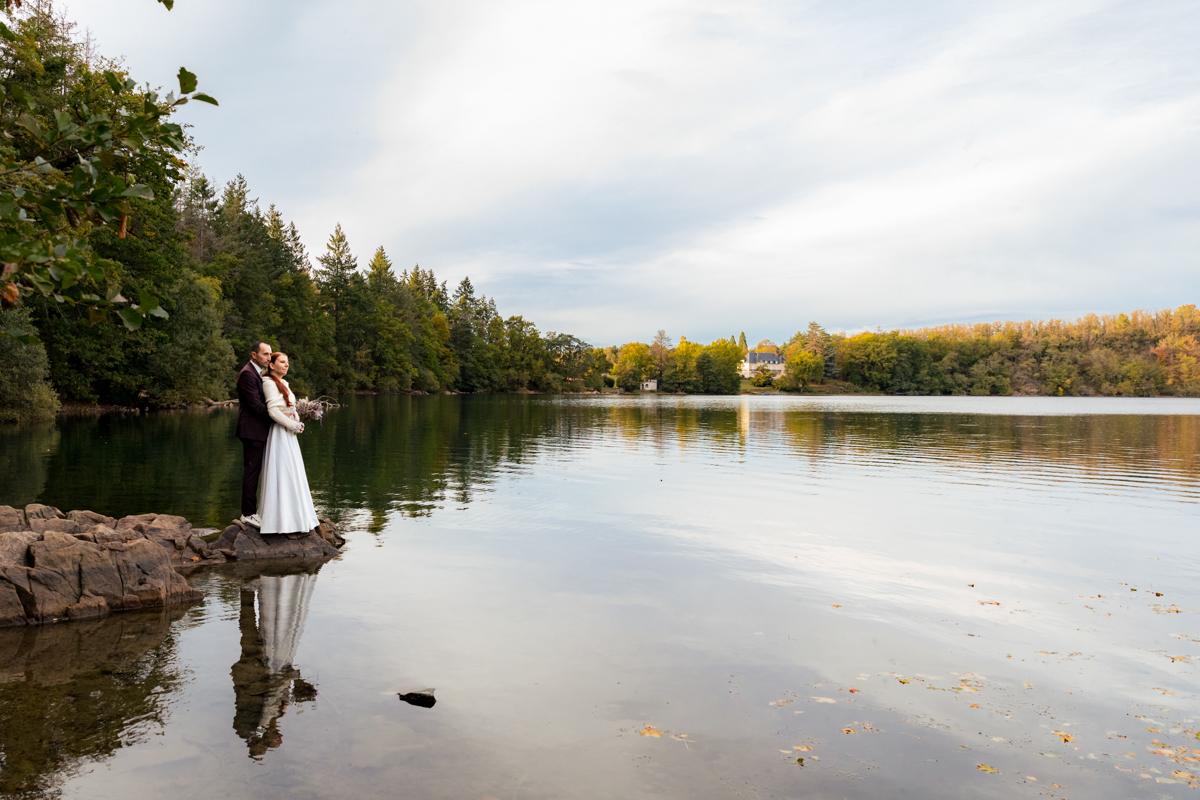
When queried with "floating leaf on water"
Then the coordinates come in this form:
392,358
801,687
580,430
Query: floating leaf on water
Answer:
1155,730
852,690
1030,685
835,605
902,680
987,769
800,761
1030,778
650,730
849,730
1066,737
803,747
989,602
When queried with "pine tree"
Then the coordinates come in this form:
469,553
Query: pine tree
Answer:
742,343
379,275
338,265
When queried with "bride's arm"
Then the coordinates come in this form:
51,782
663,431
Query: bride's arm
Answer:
275,406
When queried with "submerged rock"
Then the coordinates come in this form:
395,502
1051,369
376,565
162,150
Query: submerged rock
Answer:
423,698
84,565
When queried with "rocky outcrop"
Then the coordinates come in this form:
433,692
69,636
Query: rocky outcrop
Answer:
83,565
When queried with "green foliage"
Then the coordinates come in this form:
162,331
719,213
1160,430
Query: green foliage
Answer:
1139,354
634,364
81,149
762,378
25,393
801,368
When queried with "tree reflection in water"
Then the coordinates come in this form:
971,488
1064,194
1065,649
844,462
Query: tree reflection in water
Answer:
75,693
265,680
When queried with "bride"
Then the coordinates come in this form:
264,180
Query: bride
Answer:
285,502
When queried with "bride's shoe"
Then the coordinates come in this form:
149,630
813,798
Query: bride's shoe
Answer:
252,519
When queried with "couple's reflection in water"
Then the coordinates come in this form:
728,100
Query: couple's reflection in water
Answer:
75,693
266,681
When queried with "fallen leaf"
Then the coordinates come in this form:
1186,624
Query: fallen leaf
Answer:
1030,778
651,731
1030,685
989,603
835,605
1056,786
902,680
974,705
849,730
823,699
1066,737
1155,730
986,768
853,690
802,747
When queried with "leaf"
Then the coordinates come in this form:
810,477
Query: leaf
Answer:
849,730
131,318
113,81
835,605
823,699
6,33
203,98
974,705
139,190
649,730
187,81
987,769
1066,737
852,690
30,124
803,748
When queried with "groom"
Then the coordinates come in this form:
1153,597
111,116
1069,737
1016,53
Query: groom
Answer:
253,425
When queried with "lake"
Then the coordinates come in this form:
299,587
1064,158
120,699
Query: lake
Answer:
628,597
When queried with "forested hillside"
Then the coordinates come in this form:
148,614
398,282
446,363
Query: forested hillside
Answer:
225,270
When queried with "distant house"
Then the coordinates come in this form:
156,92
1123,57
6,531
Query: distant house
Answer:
650,385
772,362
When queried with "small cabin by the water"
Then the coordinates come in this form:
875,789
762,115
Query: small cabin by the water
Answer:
650,385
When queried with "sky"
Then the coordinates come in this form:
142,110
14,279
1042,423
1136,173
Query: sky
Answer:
706,167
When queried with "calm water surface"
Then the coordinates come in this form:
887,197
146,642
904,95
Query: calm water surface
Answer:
643,597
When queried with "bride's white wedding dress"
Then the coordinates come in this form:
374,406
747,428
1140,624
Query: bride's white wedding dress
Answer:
284,500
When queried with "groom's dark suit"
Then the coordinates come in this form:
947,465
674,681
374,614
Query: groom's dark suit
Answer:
253,425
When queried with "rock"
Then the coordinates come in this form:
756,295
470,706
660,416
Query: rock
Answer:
14,548
12,610
86,519
329,532
424,698
102,534
12,519
38,511
38,525
85,565
136,522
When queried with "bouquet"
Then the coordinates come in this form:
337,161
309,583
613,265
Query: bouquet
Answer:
309,410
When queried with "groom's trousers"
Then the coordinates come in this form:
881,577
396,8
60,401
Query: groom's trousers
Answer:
252,458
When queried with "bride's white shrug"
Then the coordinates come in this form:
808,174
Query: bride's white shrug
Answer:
277,407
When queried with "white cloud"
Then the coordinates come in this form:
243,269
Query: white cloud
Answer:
611,168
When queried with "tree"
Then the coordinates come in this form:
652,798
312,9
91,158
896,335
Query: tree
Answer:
660,350
634,364
800,369
334,279
741,342
74,137
717,367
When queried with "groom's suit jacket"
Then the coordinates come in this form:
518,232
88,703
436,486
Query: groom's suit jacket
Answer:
254,422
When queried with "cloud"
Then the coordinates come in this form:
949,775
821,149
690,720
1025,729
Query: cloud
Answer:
711,166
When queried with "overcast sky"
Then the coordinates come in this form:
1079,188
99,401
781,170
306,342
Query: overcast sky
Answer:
611,167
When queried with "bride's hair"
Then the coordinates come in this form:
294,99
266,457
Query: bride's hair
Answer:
283,390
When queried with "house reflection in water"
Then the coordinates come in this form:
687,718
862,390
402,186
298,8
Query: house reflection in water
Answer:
265,681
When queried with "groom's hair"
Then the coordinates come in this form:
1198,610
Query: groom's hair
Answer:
257,343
